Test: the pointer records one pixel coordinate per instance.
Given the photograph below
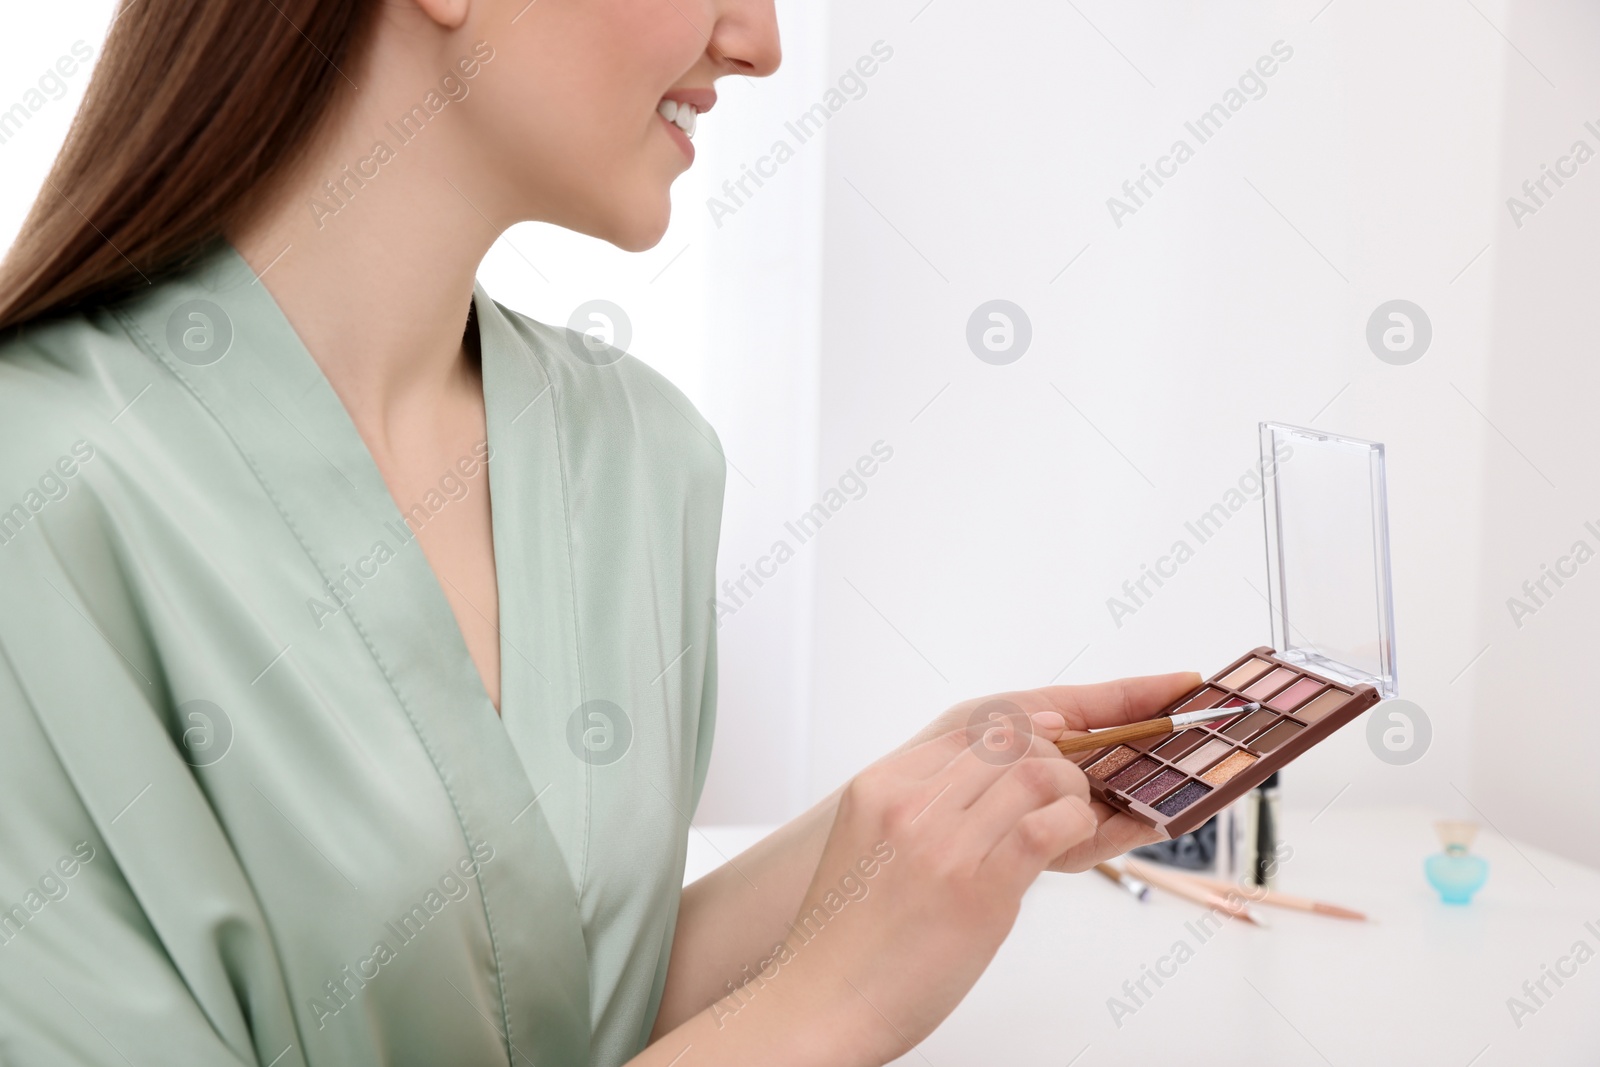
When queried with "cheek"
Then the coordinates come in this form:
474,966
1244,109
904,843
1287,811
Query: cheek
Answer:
583,80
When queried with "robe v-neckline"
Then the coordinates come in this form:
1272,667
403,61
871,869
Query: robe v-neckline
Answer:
502,771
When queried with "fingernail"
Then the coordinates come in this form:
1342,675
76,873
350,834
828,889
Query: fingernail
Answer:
1083,808
1048,720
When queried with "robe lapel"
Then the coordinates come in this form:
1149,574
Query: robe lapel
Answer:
510,787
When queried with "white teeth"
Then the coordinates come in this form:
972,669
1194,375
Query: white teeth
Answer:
679,114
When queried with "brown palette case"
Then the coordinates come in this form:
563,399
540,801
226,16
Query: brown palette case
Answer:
1178,781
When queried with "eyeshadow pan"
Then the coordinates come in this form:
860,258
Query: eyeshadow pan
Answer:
1228,768
1276,736
1271,683
1178,747
1118,759
1332,700
1234,702
1296,694
1204,756
1246,673
1132,775
1158,785
1250,725
1208,698
1183,798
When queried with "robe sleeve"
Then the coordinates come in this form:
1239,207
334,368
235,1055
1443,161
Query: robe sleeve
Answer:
128,933
84,978
708,723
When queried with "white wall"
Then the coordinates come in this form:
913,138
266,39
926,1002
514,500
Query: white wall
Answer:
984,553
36,37
1539,480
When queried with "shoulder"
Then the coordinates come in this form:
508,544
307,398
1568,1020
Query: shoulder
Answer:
59,399
613,402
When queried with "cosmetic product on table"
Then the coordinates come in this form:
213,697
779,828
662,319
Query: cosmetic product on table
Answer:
1258,837
1332,657
1455,872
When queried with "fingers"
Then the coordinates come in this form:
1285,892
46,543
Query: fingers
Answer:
1037,837
1115,834
1118,702
946,773
1029,785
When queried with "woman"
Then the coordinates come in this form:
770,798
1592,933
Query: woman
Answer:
357,663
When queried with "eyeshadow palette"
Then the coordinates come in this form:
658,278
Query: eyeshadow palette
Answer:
1177,781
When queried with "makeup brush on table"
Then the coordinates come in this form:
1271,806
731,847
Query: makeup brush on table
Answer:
1258,895
1177,885
1136,731
1139,889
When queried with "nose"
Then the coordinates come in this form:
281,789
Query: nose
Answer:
745,38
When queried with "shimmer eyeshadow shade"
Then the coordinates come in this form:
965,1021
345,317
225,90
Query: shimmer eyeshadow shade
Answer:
1133,774
1183,798
1246,674
1276,736
1207,698
1272,683
1204,756
1228,768
1296,694
1176,782
1250,725
1319,707
1177,747
1111,764
1159,785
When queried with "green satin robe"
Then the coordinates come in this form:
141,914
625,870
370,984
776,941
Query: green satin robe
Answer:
255,804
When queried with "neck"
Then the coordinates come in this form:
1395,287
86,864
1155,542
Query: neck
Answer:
376,273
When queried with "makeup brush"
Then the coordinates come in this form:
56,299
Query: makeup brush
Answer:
1125,880
1174,883
1134,731
1257,895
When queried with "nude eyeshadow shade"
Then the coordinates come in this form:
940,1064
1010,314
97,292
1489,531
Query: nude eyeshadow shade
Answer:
1250,725
1276,736
1271,684
1181,744
1204,756
1175,782
1249,672
1314,711
1206,698
1296,694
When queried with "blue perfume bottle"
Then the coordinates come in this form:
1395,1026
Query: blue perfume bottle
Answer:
1455,872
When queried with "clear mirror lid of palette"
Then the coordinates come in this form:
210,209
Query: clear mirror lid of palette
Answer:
1327,526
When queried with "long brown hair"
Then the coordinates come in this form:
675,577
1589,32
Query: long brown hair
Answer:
194,108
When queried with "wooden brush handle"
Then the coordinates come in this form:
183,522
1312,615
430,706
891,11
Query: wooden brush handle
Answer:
1115,736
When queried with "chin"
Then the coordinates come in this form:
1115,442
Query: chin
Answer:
637,227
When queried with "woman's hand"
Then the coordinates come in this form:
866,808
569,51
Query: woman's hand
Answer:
919,882
932,849
1058,711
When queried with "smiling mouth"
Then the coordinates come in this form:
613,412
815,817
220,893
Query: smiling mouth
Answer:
681,115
